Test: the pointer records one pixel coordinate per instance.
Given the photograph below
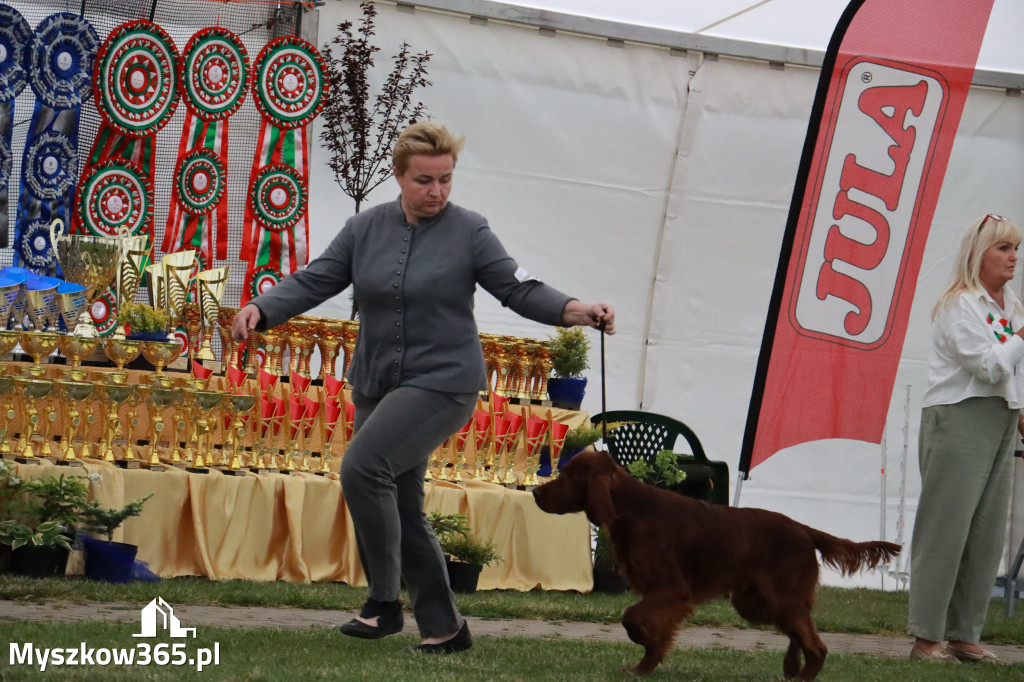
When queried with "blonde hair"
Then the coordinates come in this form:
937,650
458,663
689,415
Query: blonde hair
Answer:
981,235
424,137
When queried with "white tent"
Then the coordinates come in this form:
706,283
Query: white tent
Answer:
652,167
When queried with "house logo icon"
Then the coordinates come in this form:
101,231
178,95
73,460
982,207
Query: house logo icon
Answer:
159,614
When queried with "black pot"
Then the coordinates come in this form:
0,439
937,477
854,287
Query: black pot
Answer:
567,392
5,558
39,562
463,577
608,581
110,562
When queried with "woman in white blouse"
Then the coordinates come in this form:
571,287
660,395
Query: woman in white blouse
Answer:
969,425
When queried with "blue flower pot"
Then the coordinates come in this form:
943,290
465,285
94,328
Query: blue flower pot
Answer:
110,562
567,392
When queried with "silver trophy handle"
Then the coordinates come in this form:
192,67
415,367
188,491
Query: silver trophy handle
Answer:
56,230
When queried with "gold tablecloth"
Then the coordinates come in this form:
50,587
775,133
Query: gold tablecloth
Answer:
296,527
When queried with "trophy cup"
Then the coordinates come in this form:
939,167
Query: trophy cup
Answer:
115,394
160,354
158,398
74,393
6,413
74,349
349,335
39,307
39,345
129,271
32,391
301,340
210,285
229,349
71,300
238,405
8,340
329,341
274,342
121,352
87,260
177,269
203,403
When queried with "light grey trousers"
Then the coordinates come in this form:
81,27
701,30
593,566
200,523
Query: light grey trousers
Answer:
966,461
382,476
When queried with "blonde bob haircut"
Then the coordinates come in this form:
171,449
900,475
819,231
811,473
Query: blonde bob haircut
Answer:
424,137
983,234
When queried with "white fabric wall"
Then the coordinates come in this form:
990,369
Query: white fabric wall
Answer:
661,184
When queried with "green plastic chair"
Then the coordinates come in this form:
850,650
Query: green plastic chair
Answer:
642,435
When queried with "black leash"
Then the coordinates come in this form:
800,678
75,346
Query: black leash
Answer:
604,400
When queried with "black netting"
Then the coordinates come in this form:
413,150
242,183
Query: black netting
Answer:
633,441
256,22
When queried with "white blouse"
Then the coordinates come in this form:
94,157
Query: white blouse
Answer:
975,352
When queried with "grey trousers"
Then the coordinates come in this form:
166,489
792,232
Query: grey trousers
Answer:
382,476
966,461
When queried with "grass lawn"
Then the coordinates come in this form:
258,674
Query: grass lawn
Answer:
323,653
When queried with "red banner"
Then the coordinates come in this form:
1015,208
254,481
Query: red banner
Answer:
892,90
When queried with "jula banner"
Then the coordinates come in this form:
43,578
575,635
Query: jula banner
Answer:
889,101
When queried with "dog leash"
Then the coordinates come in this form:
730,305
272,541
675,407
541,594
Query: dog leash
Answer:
604,401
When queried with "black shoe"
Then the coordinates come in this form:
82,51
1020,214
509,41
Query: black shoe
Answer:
460,642
389,620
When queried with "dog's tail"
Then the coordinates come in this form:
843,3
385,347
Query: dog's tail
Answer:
847,556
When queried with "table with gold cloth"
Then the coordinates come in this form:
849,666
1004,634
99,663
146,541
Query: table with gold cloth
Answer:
296,527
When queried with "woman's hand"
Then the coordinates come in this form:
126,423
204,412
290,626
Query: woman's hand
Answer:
589,315
245,322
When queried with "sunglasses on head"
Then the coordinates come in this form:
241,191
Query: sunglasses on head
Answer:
990,216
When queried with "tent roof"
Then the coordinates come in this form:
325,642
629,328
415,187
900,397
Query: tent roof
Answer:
793,31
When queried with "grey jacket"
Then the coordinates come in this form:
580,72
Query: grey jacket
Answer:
414,286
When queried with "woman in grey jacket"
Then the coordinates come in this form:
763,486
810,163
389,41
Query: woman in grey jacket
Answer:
417,368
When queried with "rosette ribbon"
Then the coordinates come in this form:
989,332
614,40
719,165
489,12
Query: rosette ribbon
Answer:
15,40
59,60
213,71
289,88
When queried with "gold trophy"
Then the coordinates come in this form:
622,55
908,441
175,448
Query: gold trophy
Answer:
114,395
121,352
229,349
32,392
74,349
10,291
6,413
203,403
129,272
158,398
40,304
39,345
87,260
210,285
71,300
8,340
274,342
160,354
329,341
301,340
238,405
178,272
74,393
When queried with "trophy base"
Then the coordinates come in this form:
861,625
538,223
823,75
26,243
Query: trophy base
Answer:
68,463
235,472
154,467
24,460
177,465
197,470
128,463
258,471
293,472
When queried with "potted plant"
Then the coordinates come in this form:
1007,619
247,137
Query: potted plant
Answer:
664,472
40,530
465,555
143,321
568,349
606,574
107,560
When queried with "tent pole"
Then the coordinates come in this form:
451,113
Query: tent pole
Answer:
740,477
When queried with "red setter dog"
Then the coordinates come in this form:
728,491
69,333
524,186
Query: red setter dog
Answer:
678,553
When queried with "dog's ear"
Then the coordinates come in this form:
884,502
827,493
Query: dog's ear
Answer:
600,506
